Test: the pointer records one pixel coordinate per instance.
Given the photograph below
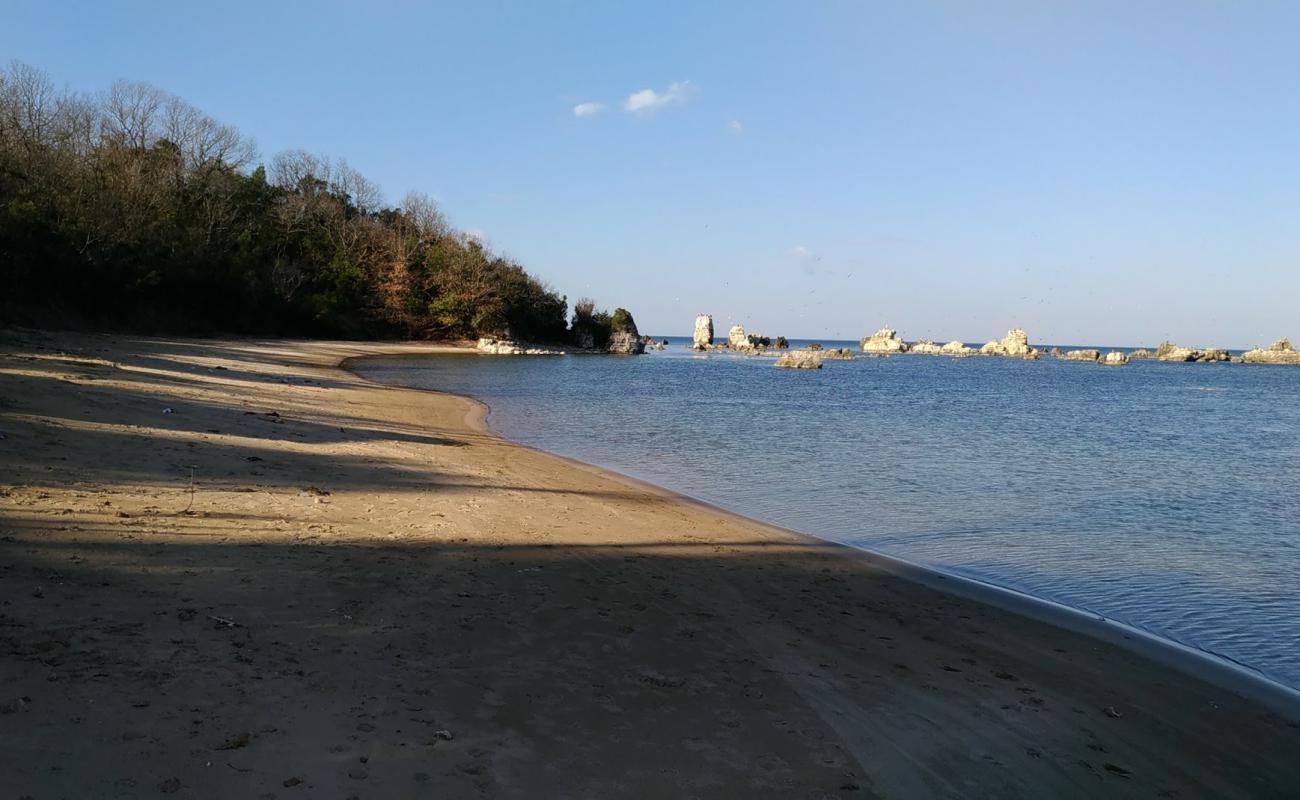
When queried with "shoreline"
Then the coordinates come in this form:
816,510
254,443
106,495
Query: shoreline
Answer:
233,568
1193,661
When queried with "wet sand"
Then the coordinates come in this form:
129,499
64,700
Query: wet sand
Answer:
233,569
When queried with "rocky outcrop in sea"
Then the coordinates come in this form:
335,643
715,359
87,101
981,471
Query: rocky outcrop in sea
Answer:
1280,352
624,339
958,349
1015,345
838,354
702,339
925,348
1115,359
736,338
1169,351
800,359
884,340
1081,355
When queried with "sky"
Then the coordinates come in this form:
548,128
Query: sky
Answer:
1093,172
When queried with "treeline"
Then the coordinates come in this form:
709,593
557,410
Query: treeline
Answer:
132,209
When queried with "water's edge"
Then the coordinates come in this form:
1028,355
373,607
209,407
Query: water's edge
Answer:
1203,664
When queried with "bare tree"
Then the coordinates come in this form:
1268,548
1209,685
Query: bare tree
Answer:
27,104
132,113
423,212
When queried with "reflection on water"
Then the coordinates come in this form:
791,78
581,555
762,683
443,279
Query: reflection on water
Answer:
1163,495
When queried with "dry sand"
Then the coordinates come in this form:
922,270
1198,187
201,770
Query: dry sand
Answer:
361,592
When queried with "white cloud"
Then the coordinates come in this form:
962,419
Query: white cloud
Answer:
804,257
648,100
735,127
587,109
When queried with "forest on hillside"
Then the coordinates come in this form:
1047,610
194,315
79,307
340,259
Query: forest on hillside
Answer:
131,209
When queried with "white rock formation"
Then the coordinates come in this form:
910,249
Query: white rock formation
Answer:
955,348
1115,359
1015,344
703,336
509,347
736,338
1281,352
925,348
884,340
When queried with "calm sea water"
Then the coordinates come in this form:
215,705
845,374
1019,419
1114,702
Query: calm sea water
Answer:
1166,496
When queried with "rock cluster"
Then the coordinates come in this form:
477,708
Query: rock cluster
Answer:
884,340
1115,359
1015,344
703,336
1172,352
959,349
925,348
839,354
1082,355
800,359
1280,352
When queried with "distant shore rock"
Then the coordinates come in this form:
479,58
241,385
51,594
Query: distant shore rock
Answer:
1115,359
800,359
781,343
509,347
839,354
1014,345
625,343
1280,352
958,349
624,339
1082,355
1141,353
736,338
703,336
884,340
925,348
1169,351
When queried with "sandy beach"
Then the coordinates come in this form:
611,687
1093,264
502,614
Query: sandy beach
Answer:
235,569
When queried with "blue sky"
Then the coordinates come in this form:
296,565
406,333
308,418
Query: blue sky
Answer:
1095,172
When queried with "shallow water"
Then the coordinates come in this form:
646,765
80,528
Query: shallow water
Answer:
1166,496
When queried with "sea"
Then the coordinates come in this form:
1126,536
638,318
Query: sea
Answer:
1165,496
